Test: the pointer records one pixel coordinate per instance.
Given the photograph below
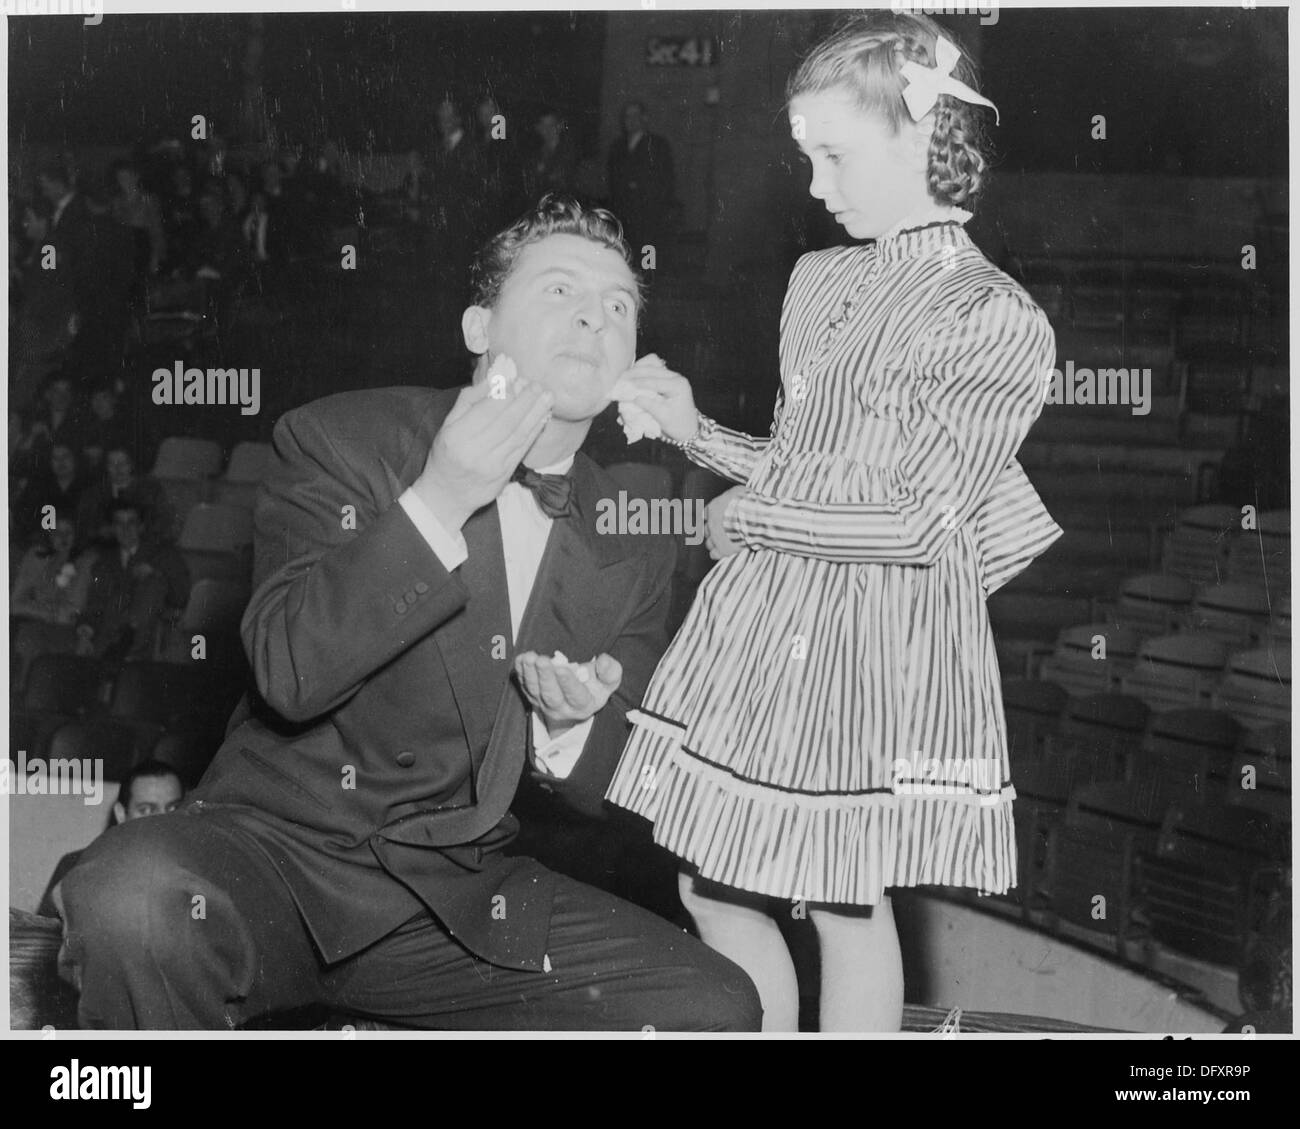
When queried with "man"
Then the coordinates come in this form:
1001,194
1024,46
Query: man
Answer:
348,838
131,586
95,259
121,483
642,189
150,788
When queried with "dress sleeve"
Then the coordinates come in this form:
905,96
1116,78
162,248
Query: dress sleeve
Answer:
982,373
731,453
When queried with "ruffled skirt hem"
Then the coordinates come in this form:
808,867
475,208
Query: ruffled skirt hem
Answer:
837,848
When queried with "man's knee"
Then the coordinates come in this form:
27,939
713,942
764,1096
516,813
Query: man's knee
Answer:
726,999
129,894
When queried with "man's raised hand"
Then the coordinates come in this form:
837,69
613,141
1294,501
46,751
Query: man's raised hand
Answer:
479,445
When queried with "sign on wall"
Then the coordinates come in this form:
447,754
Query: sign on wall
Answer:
681,51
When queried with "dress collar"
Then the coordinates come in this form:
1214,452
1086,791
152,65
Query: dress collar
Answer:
924,232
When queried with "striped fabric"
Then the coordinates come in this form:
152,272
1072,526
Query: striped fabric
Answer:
828,722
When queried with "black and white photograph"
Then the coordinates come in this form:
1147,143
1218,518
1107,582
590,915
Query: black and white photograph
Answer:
649,521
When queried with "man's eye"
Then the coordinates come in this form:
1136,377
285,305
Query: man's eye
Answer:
559,288
834,158
619,307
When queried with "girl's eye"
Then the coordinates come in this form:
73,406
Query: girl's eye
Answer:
834,158
559,288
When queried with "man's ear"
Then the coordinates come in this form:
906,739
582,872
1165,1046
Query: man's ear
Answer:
474,326
119,813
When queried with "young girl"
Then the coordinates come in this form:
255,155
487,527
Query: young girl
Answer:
828,724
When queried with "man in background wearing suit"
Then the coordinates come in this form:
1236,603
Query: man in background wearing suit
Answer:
642,185
420,555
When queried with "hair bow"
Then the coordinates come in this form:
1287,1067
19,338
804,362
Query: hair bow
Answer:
925,84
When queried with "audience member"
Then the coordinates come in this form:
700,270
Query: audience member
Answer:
131,587
121,483
137,209
102,429
49,595
642,189
554,167
45,320
58,486
96,259
150,788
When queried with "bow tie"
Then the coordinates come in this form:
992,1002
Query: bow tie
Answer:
554,492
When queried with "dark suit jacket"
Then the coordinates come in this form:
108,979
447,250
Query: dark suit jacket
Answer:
642,185
377,760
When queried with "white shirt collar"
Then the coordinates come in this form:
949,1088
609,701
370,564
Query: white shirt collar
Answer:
562,467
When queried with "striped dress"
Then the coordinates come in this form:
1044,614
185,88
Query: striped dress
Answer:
828,722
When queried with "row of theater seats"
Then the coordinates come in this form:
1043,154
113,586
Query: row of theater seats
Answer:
191,474
1135,825
75,707
1184,670
1208,545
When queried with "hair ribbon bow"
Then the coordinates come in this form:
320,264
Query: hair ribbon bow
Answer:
925,84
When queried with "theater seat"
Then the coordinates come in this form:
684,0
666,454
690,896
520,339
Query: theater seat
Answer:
1175,672
1256,687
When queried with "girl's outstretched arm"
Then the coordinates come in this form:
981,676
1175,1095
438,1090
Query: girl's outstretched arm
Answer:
984,371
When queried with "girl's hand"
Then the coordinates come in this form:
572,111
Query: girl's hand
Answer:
716,538
665,395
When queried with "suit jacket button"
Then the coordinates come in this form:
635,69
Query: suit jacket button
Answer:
406,758
400,607
410,596
421,587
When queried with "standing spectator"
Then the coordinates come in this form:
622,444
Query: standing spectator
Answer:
503,194
554,167
45,322
96,260
131,587
179,213
642,189
137,209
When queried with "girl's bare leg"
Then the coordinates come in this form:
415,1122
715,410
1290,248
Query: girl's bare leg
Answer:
747,935
862,970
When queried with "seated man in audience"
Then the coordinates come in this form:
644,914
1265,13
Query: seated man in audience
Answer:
121,483
421,557
59,487
103,429
150,788
131,587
